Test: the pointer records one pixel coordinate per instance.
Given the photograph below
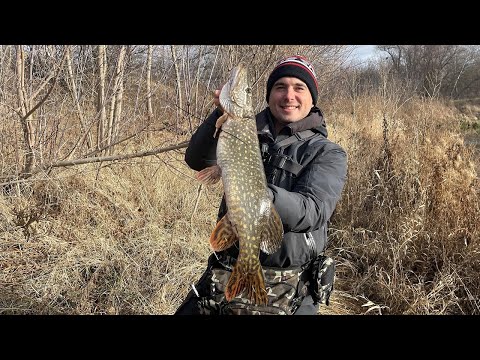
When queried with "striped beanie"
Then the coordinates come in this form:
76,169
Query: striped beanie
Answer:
295,66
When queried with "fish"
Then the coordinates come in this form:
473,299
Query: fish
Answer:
251,217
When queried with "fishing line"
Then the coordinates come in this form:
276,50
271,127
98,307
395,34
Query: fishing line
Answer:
236,137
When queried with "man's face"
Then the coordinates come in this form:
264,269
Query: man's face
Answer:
290,100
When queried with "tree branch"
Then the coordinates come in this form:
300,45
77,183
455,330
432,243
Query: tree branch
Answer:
65,163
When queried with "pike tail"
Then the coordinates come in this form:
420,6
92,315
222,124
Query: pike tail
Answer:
252,283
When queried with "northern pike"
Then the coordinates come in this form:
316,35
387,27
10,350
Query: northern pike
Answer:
251,217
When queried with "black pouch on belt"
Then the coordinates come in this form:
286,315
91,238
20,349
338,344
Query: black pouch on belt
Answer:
323,276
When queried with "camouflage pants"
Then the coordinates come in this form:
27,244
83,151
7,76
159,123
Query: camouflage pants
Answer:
290,292
282,292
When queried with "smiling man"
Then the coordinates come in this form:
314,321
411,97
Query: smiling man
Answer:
292,90
305,173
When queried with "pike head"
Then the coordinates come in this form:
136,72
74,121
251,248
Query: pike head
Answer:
236,95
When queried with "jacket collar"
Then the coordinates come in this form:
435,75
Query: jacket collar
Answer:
313,121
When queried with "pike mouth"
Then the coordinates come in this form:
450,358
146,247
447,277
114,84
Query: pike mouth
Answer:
235,97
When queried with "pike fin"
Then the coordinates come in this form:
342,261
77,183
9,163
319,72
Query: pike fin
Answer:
272,235
209,175
219,123
252,283
224,235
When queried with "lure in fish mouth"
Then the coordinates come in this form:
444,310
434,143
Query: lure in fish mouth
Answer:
251,219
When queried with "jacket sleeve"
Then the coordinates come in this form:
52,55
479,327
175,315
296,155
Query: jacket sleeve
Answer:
311,202
201,150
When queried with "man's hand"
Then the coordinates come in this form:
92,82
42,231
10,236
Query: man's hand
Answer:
216,98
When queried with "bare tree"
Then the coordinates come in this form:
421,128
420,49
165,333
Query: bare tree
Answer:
149,83
101,101
178,83
117,99
98,86
24,104
431,70
75,96
26,99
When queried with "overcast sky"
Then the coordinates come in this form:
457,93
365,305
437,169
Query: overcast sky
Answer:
364,52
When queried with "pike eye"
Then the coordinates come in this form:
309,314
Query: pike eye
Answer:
248,90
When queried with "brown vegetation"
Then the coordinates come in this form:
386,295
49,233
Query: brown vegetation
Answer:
130,236
406,231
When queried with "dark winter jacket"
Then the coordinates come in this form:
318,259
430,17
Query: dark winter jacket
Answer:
305,202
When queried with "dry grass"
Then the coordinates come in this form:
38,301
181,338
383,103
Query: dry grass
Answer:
113,241
123,238
405,233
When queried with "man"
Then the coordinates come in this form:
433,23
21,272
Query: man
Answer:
305,173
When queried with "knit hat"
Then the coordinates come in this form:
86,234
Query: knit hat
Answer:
295,66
